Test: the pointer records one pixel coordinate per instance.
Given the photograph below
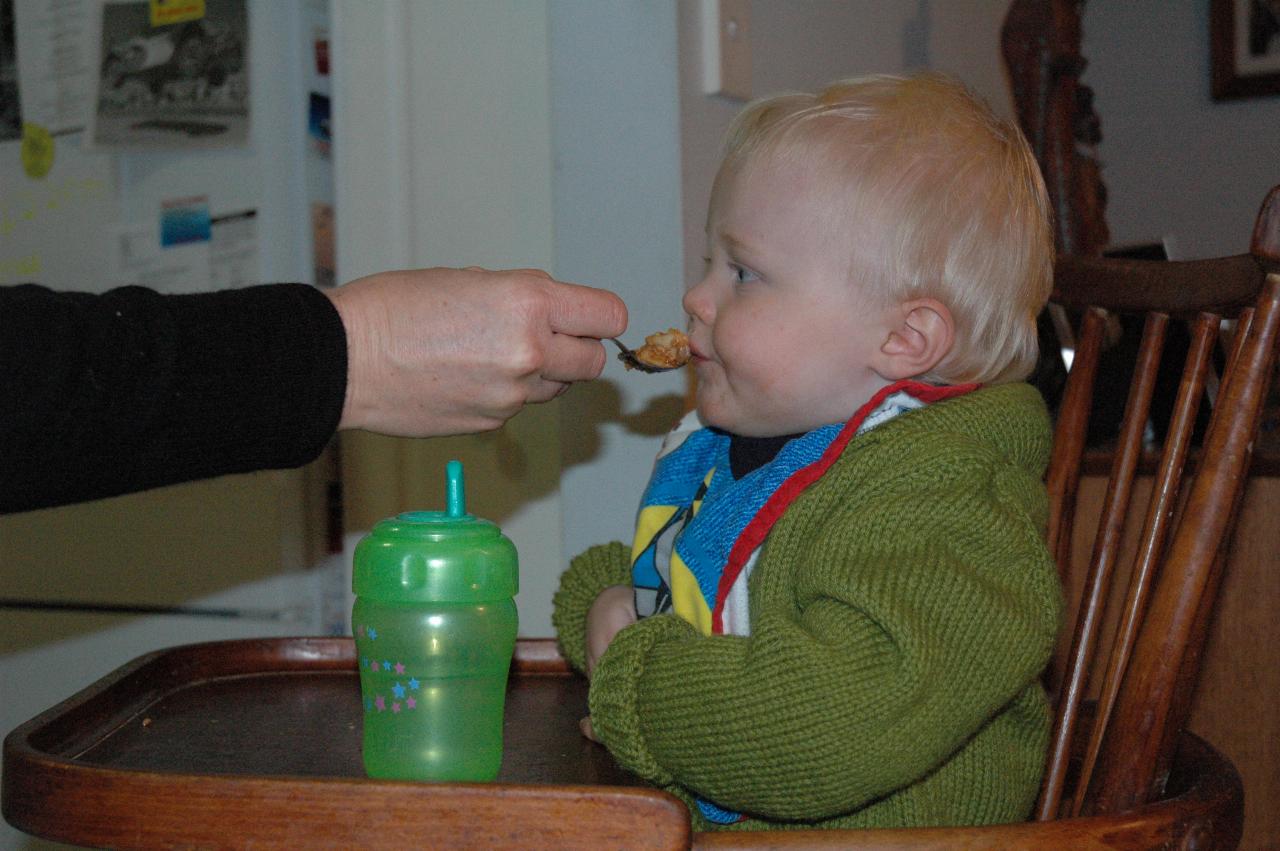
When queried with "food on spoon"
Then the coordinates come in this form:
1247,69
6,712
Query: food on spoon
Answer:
665,350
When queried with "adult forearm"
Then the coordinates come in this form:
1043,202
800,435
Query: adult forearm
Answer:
111,393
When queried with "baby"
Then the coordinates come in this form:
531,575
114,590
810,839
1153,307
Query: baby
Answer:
838,601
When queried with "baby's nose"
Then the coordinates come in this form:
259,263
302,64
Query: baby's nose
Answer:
698,304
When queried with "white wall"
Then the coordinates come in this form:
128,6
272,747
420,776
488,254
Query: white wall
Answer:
1175,162
614,106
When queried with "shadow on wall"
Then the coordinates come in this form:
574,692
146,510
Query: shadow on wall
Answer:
585,411
505,470
599,403
594,406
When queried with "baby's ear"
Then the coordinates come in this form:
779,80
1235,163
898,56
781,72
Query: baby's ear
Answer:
921,335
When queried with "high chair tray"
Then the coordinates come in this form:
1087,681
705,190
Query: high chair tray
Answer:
257,743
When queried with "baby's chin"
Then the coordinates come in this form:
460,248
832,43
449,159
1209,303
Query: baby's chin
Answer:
717,418
712,416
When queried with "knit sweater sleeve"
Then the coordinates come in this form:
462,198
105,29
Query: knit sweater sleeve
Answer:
588,574
104,394
890,621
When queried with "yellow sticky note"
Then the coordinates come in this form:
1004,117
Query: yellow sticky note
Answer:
175,11
37,150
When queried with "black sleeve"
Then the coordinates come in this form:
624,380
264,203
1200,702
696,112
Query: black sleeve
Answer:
128,390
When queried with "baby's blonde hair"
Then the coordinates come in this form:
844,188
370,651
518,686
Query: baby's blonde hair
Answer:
962,211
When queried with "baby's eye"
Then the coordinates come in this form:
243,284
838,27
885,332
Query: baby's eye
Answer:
741,274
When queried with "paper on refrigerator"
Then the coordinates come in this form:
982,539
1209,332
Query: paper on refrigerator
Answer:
55,63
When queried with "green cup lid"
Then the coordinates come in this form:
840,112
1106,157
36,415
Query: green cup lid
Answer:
437,556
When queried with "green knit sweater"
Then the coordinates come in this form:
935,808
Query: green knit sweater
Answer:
901,612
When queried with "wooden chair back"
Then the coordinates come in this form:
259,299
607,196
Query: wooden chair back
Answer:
1149,674
1125,773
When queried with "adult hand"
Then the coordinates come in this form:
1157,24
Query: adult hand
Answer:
453,351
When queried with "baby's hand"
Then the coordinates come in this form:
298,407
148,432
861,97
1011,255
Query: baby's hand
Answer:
587,730
613,610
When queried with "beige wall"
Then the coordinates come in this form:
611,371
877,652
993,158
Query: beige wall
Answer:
1176,163
165,547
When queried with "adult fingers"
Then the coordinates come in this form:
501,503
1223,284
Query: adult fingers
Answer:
543,390
581,311
570,359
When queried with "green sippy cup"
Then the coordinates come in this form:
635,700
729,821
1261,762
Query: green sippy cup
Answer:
435,628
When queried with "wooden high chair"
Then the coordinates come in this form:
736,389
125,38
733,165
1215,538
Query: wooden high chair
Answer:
1125,773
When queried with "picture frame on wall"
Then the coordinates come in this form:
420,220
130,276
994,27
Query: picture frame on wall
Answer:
1245,48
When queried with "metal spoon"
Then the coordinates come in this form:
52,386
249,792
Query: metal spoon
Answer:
628,357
